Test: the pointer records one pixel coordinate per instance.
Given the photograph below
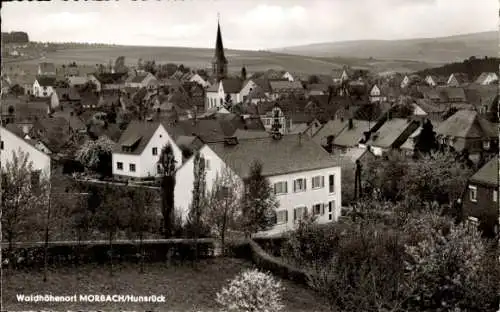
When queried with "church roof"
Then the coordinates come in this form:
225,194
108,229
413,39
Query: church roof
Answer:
219,47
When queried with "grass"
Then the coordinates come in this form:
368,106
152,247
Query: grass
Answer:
185,288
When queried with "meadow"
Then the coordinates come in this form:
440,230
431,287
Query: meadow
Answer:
185,287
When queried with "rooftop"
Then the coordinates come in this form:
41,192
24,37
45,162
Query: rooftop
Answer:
350,137
390,131
488,174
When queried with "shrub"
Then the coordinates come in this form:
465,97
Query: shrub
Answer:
251,290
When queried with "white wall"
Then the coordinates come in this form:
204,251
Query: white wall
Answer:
288,76
40,91
246,88
212,99
146,162
13,143
197,78
96,82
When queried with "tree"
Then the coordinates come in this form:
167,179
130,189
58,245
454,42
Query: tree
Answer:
168,163
198,200
223,204
62,84
426,141
252,291
17,90
88,87
243,73
150,66
228,101
313,79
21,199
96,155
120,65
258,202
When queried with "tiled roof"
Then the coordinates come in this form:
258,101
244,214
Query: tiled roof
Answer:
111,78
318,87
232,85
488,174
47,67
390,131
139,77
355,153
466,124
137,135
350,137
250,134
257,93
409,144
461,77
481,79
430,107
292,153
455,93
46,81
332,127
77,80
285,85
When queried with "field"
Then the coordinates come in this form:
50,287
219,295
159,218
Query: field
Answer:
185,288
201,58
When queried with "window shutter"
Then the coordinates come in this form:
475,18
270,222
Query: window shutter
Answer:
286,191
305,184
295,214
286,216
295,186
322,209
322,181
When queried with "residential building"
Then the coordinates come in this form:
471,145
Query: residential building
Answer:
219,61
218,94
13,143
108,81
466,129
329,131
288,76
46,69
143,80
252,84
487,78
137,153
405,82
481,200
77,81
285,88
376,95
431,80
457,79
339,75
317,89
454,94
303,176
44,86
409,145
391,135
351,135
200,80
431,111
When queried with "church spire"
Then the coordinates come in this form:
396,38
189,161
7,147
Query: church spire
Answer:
219,63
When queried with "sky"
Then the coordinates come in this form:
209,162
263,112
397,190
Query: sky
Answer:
246,24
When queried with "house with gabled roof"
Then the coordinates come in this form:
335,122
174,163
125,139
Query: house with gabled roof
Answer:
284,88
142,80
466,129
487,78
205,83
376,94
44,86
327,133
457,79
46,69
108,81
305,179
350,136
254,83
77,81
391,135
226,89
339,75
138,150
481,200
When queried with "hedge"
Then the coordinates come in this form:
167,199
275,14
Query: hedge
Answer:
271,245
71,253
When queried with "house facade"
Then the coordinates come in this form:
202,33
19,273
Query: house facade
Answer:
217,94
376,95
46,69
301,187
138,150
141,81
44,86
487,78
276,115
199,80
12,143
286,88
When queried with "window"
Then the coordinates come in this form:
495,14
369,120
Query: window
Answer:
299,213
119,165
155,151
472,222
299,185
280,187
268,121
331,208
318,182
472,193
281,216
131,167
318,209
495,195
486,145
331,183
35,180
1,145
207,164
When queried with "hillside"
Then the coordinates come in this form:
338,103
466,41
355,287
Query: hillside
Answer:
431,50
473,67
201,58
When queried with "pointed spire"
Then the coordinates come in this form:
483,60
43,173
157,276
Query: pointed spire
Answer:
219,47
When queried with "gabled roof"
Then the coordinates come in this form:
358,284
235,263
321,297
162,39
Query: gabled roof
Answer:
482,78
455,93
332,127
140,77
287,85
77,80
47,67
257,93
292,153
487,174
136,136
110,78
409,144
351,137
46,81
318,87
460,77
355,153
467,124
231,85
430,107
250,134
390,131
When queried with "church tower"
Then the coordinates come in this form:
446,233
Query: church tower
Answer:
219,62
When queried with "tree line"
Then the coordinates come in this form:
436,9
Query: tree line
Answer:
472,66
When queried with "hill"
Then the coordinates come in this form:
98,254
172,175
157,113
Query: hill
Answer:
472,66
431,50
201,58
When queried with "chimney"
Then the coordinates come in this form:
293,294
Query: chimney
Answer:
231,140
351,124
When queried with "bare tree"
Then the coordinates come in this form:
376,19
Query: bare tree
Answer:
223,204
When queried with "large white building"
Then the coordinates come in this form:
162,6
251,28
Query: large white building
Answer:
44,86
302,174
137,153
11,143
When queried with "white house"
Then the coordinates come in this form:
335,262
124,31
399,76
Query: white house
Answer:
429,79
44,86
138,150
199,80
376,95
487,78
142,80
405,82
303,176
217,94
12,143
276,115
339,75
288,76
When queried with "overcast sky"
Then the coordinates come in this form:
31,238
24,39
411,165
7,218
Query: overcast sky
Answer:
246,24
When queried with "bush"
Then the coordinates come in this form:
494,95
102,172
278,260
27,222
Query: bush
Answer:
251,291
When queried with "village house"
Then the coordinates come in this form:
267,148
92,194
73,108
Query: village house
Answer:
137,152
457,79
408,146
429,110
227,89
339,75
350,136
391,135
46,69
327,133
487,78
200,80
317,89
285,88
252,84
142,80
13,143
467,130
44,86
108,81
481,200
303,176
77,81
376,95
484,99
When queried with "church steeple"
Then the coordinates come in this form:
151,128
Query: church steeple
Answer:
219,62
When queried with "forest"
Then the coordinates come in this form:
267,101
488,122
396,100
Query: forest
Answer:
472,66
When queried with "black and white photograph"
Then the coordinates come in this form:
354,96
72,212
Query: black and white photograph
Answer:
250,156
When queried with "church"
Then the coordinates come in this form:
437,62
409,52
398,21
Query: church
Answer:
225,91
